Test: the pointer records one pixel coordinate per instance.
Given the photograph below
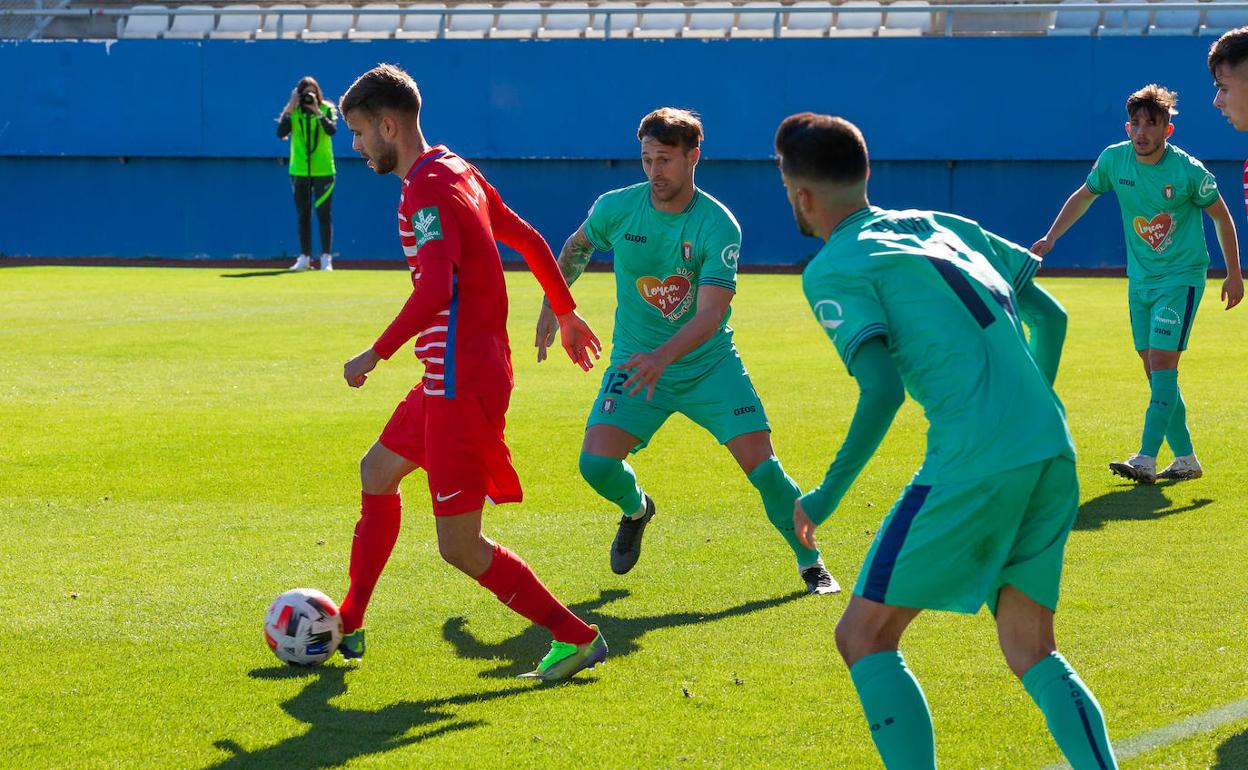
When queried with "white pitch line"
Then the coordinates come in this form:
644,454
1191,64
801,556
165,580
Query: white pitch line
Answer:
1174,732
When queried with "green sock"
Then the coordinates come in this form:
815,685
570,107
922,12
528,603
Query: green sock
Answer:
901,724
613,479
1073,715
1165,392
1177,435
779,492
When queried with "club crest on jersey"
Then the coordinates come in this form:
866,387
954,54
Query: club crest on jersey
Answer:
427,225
1156,231
671,296
1168,192
608,406
686,250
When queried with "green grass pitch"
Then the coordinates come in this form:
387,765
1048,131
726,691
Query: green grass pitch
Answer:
177,447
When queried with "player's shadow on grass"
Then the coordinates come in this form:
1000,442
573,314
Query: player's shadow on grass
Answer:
1233,753
338,735
518,653
1137,502
257,274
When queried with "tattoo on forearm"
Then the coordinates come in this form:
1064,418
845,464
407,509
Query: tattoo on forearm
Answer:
575,255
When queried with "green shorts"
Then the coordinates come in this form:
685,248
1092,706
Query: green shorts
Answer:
952,546
1162,318
722,400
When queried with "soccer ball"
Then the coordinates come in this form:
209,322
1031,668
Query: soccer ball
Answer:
303,627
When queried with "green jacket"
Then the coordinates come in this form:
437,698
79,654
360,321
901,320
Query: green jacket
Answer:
310,139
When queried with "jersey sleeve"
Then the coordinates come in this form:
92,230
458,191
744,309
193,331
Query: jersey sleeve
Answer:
1099,179
436,230
510,228
1204,185
722,249
849,310
600,223
1015,263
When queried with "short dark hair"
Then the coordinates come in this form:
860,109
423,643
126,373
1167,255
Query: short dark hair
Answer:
1231,49
1156,100
672,126
822,148
384,87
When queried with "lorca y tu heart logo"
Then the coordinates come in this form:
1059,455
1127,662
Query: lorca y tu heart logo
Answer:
1155,230
668,295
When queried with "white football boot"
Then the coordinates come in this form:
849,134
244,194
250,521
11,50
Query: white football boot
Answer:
1183,468
1141,468
327,262
301,264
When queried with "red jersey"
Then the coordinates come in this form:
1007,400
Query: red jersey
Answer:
449,220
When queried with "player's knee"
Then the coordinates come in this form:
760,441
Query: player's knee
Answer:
853,640
1024,651
454,553
464,555
376,477
596,469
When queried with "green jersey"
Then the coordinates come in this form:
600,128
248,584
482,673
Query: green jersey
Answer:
661,260
1161,205
310,143
932,286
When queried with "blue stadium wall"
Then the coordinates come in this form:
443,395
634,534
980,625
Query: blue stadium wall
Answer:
167,148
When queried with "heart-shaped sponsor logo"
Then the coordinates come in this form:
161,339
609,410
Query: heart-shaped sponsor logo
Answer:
1155,230
667,295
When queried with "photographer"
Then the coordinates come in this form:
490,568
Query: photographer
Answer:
310,121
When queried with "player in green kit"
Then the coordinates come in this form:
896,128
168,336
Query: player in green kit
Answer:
930,304
1161,191
676,251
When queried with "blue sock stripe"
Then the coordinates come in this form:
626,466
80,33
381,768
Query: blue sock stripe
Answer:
885,560
1087,729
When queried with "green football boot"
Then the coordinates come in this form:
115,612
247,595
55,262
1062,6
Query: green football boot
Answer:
352,645
566,659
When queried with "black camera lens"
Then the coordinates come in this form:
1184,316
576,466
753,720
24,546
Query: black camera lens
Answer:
307,97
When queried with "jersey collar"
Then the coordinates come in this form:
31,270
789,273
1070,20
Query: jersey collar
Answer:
852,220
433,153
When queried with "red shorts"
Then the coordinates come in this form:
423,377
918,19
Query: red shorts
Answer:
459,442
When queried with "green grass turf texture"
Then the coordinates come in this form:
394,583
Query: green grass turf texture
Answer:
178,447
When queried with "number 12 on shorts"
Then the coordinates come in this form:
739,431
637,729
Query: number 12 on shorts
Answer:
613,383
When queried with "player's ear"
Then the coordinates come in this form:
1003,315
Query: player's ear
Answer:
1169,129
1127,127
389,127
694,155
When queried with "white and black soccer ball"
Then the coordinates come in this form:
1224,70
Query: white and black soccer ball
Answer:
303,627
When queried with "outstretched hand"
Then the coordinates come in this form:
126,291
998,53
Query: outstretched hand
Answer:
803,526
578,340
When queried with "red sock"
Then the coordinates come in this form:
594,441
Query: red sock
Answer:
375,534
515,585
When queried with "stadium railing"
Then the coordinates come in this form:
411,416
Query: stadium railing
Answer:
660,19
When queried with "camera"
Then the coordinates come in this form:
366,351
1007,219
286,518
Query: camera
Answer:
307,97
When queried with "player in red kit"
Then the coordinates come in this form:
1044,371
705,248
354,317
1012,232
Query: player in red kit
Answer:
451,424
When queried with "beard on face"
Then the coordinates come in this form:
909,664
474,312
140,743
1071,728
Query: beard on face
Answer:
384,160
802,225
